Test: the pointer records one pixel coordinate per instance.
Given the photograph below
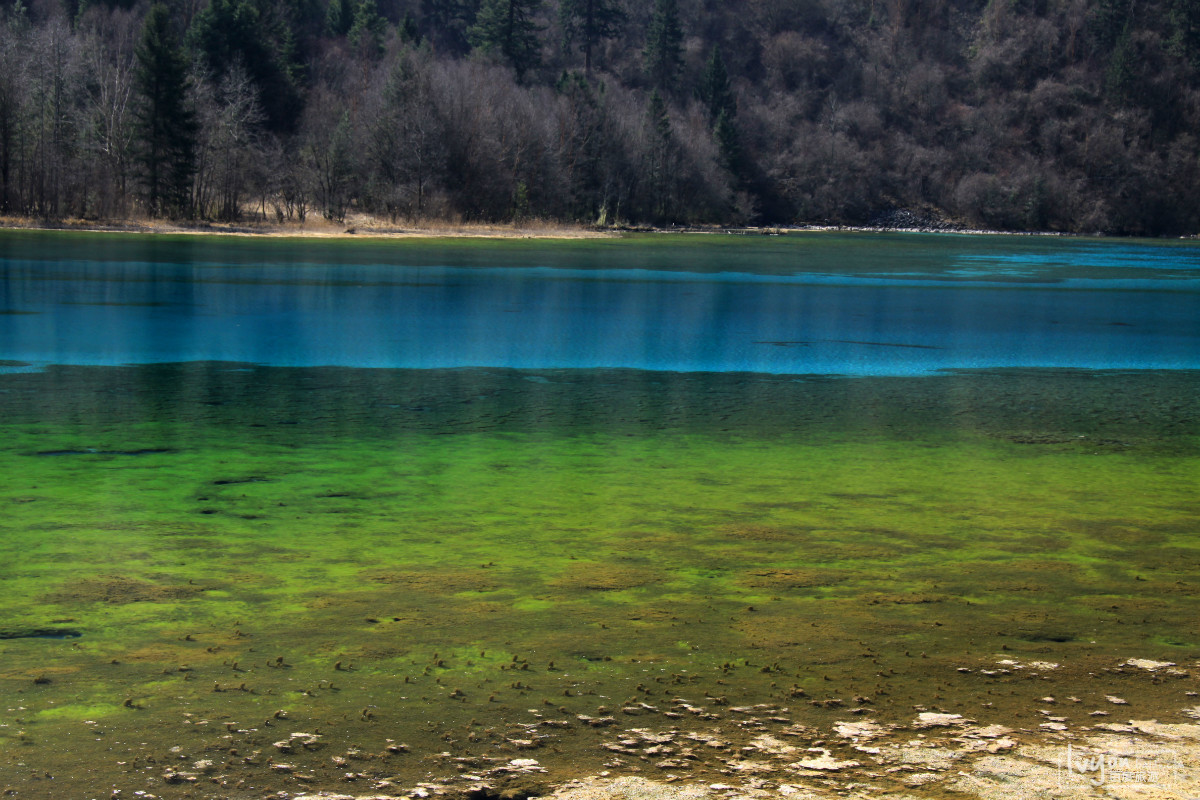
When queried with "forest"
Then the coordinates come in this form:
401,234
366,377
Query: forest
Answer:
1049,115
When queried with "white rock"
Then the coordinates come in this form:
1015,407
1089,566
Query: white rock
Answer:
932,719
769,744
1147,664
857,730
992,731
825,762
1116,700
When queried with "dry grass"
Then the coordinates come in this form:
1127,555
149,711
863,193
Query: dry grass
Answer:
356,225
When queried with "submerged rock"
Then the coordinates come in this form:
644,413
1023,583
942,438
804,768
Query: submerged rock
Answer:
933,719
824,762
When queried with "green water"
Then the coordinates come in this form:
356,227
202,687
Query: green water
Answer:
450,560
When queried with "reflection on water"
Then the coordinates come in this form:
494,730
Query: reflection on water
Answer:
774,308
431,573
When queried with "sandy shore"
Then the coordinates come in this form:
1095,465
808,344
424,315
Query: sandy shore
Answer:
366,227
360,226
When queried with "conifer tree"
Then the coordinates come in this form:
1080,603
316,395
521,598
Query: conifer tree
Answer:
588,22
367,32
1119,76
660,162
446,23
729,144
715,90
663,54
166,126
339,17
409,32
1184,16
227,32
507,27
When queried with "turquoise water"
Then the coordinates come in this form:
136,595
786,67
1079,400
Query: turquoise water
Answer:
806,304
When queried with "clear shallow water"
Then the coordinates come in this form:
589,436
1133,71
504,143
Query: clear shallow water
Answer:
479,562
812,303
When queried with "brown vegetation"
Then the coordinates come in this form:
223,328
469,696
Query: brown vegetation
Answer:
1071,115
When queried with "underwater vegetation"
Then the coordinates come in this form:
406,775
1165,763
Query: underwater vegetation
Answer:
213,569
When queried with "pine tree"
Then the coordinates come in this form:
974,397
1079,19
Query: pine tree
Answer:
339,17
1119,77
446,24
588,22
507,27
227,32
1109,21
367,32
166,126
715,90
729,144
409,32
660,162
1184,17
663,55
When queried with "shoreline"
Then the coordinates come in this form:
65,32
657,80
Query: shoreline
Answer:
366,227
318,228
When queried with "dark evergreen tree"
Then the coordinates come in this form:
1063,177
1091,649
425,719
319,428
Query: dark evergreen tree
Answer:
166,126
729,144
237,31
715,90
445,23
663,54
508,28
584,147
339,17
585,23
1119,77
1184,17
660,159
1109,20
367,32
409,32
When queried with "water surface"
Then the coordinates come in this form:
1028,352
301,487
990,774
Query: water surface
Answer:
812,303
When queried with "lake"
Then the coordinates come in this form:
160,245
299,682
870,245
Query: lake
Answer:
284,515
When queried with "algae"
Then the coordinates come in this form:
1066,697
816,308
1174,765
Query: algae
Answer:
294,549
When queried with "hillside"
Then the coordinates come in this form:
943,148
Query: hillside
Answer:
1068,115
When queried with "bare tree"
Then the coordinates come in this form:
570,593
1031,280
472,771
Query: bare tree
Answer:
408,140
55,96
329,153
15,34
110,39
229,152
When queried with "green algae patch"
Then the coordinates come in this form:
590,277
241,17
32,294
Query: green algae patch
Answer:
80,712
381,577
